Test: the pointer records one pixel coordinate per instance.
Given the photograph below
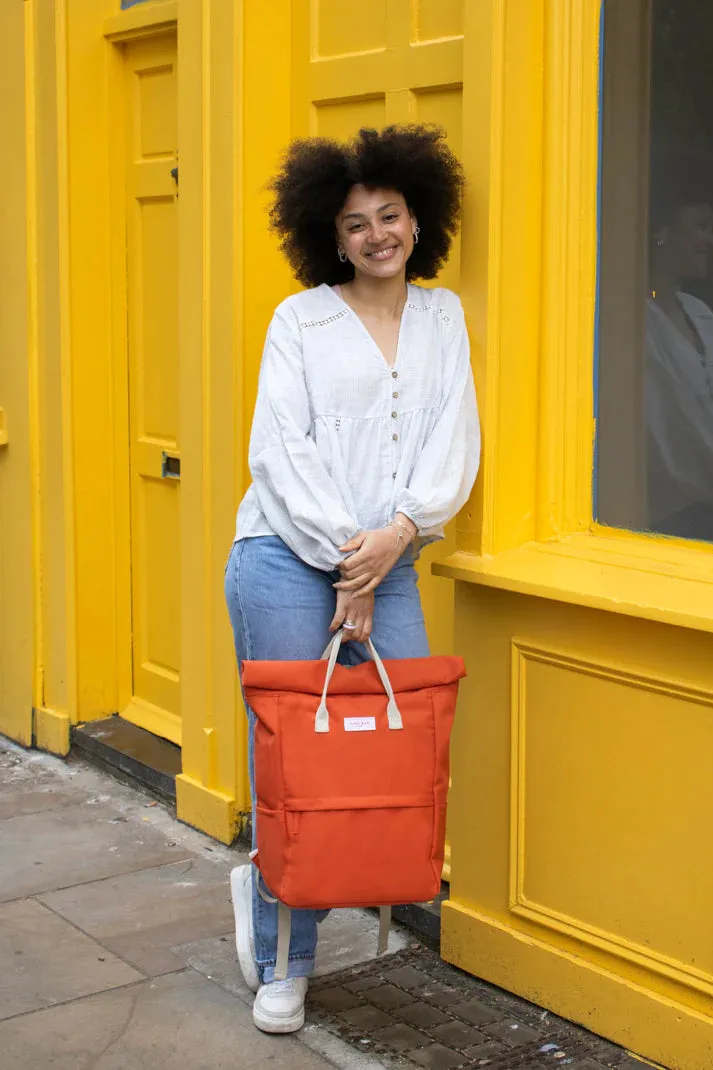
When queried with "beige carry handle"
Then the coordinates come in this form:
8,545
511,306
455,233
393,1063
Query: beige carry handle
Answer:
321,721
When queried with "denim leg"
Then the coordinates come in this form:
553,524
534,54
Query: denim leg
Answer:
280,610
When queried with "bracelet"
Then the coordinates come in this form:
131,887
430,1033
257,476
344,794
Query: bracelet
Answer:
400,537
405,532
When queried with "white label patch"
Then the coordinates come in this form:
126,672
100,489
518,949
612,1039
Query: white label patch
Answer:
360,724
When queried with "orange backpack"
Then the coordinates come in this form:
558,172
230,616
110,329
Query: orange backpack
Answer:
351,796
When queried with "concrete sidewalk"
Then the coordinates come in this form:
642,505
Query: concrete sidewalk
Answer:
116,935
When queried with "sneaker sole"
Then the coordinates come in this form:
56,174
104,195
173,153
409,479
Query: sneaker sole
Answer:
279,1025
241,895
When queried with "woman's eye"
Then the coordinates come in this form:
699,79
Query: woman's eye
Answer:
390,218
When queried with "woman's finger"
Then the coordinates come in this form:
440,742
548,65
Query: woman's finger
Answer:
355,586
366,628
357,558
353,544
358,579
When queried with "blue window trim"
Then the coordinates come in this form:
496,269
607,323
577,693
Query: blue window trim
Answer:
600,136
131,3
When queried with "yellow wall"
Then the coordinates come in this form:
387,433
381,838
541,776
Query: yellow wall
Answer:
579,818
17,380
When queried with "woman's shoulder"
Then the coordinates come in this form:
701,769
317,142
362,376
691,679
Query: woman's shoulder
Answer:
309,307
440,302
694,307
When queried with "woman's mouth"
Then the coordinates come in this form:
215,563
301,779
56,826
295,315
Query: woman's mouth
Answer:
383,254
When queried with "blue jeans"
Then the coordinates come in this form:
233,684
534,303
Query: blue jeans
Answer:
280,609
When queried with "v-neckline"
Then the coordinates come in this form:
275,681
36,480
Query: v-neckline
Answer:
375,345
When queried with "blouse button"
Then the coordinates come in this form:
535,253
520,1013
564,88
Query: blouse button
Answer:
395,438
394,375
393,475
395,394
394,415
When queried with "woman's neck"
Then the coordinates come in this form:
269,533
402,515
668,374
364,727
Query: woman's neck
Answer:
384,297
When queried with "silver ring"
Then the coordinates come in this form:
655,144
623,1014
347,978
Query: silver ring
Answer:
350,625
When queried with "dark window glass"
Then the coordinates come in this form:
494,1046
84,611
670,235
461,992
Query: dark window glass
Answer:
655,320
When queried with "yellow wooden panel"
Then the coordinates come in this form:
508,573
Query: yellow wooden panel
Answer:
158,633
342,120
339,35
156,366
437,18
444,107
156,111
619,814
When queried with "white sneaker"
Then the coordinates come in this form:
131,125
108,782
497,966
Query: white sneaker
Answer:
242,895
280,1006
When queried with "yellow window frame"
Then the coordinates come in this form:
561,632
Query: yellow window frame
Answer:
529,283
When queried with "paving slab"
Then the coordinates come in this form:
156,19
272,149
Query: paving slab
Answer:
45,960
27,786
84,842
143,915
179,1020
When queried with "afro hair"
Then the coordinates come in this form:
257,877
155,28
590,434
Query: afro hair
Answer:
315,179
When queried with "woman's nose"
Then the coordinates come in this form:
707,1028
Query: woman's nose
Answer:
377,233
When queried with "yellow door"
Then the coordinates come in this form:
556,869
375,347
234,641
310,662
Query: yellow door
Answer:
152,283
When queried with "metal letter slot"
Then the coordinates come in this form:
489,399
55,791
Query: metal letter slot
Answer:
170,466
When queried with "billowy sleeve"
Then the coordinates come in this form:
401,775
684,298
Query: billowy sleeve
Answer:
298,497
445,472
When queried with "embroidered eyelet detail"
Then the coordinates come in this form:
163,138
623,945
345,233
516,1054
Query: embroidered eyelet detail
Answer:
430,308
337,423
324,322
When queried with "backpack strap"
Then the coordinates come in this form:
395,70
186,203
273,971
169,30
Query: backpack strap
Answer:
284,930
384,926
321,720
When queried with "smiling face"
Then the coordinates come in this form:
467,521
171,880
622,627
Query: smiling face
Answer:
376,231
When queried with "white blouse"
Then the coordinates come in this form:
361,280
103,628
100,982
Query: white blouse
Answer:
679,411
341,442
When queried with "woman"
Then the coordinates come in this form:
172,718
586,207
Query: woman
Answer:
365,443
679,353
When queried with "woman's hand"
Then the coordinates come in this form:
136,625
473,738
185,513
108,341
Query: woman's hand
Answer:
373,555
359,610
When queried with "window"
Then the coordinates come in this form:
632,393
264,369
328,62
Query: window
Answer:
654,469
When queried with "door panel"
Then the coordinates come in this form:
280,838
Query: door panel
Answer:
152,277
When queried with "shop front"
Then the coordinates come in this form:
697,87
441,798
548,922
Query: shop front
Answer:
582,861
576,583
